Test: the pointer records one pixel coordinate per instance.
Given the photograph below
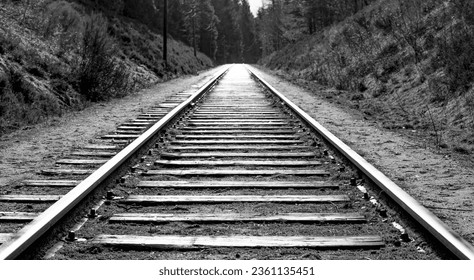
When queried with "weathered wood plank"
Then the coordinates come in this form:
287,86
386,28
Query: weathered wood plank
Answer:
158,111
238,107
154,115
230,123
129,132
237,172
168,105
216,136
81,161
237,142
231,155
149,118
237,110
233,127
101,147
237,217
15,217
240,120
238,147
237,131
136,128
237,163
237,117
120,136
238,241
93,154
53,172
139,123
157,199
204,112
246,129
225,113
207,105
239,184
51,183
29,198
121,141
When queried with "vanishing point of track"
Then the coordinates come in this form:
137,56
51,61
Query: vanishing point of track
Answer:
230,166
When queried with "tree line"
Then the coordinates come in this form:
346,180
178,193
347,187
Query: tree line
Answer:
227,31
281,22
224,30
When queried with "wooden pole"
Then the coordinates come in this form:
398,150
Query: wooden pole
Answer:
165,33
194,29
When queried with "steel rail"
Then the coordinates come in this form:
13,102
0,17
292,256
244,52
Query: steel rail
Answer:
444,234
29,234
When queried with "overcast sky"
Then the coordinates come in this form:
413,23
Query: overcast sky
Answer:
254,5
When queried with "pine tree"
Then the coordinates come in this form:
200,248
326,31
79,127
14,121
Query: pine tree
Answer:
250,43
190,22
207,31
229,41
176,22
145,11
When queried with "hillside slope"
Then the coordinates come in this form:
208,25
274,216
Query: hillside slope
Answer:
57,56
408,64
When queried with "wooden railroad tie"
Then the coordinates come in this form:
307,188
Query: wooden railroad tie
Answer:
238,147
239,132
238,241
58,172
236,136
231,155
238,172
236,217
17,217
288,163
186,199
51,183
81,161
237,142
238,184
30,198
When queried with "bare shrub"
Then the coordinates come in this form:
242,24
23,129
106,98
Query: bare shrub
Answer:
457,57
438,88
99,75
455,53
409,27
22,102
65,24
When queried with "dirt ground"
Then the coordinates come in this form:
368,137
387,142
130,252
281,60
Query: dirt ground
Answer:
442,182
24,152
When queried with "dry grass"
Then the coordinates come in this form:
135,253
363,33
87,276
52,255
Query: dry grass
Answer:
47,66
411,62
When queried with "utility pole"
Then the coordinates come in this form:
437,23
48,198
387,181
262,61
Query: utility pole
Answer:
194,34
165,33
194,26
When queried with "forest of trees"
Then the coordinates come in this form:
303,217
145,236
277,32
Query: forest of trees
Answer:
282,22
227,31
224,30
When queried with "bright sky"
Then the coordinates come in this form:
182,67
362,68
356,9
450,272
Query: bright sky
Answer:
254,5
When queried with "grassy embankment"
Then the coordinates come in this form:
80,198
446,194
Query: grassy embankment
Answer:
58,56
409,64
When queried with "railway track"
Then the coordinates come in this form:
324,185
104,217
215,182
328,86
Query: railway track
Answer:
232,170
